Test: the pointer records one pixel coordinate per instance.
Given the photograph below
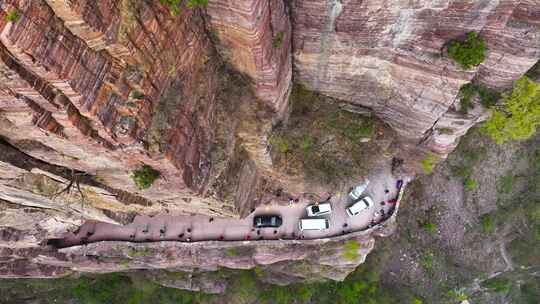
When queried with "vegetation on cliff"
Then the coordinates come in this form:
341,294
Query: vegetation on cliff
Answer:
482,243
277,41
13,16
469,91
468,53
519,116
428,164
245,286
175,6
324,141
145,176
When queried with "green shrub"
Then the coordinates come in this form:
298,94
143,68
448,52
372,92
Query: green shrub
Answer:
427,260
350,250
430,227
468,53
466,94
139,252
457,295
497,284
364,130
124,262
534,72
520,116
488,224
350,126
13,16
245,287
428,164
506,184
447,131
470,184
307,145
468,91
280,143
277,41
463,172
537,159
488,97
258,271
175,6
145,176
231,252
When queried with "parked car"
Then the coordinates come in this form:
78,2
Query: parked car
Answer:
264,221
357,191
319,209
359,206
313,224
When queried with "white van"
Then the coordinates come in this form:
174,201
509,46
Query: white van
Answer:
313,224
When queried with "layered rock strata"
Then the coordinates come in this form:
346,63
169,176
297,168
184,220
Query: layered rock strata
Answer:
116,87
254,36
390,56
91,90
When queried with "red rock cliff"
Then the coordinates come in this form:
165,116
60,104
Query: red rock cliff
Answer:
119,84
388,55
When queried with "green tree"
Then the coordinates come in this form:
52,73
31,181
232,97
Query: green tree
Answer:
470,52
519,116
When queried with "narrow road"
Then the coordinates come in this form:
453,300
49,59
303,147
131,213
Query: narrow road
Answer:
382,188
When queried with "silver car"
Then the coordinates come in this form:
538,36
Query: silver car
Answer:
357,191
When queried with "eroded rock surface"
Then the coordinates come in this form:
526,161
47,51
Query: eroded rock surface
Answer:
92,90
390,56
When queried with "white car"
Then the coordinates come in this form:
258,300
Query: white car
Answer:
358,190
360,206
313,224
320,209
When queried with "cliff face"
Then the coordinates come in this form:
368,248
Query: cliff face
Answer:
117,86
389,56
254,36
92,90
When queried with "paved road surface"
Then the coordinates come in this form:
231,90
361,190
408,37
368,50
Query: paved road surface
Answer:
203,228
